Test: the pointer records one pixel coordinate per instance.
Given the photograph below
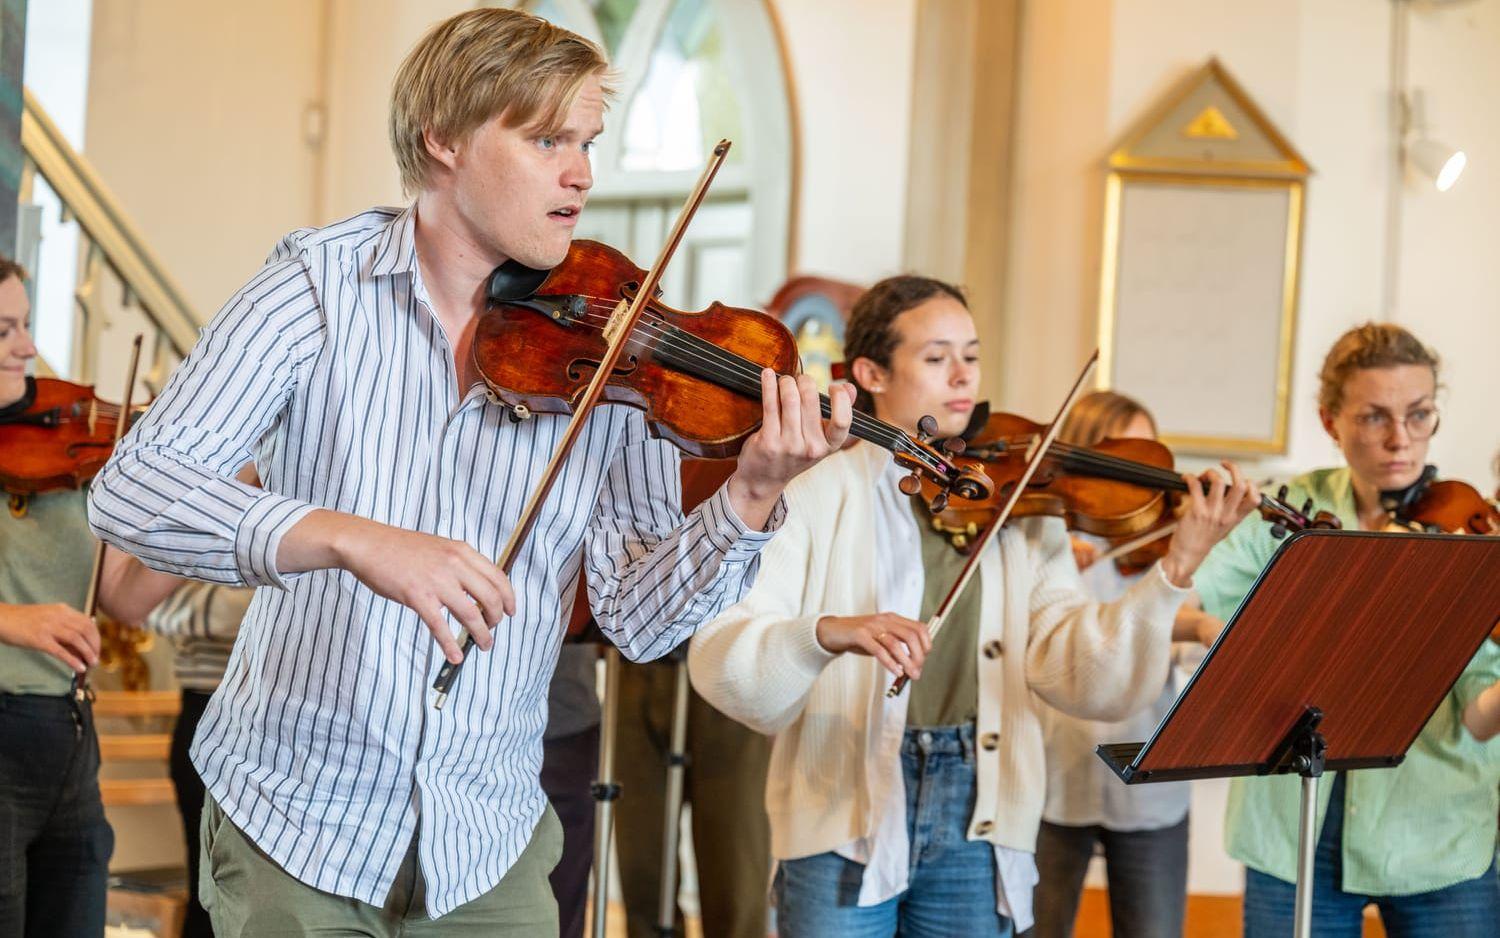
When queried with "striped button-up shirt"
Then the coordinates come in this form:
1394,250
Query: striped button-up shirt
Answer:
330,371
202,620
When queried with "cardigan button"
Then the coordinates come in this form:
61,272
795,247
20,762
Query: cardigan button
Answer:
984,827
990,741
992,650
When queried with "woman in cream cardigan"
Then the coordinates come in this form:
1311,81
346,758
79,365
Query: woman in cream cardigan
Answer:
917,815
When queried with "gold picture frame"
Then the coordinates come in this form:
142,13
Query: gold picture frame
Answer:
1204,159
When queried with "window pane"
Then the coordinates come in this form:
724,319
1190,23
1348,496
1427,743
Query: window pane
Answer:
686,102
610,19
613,16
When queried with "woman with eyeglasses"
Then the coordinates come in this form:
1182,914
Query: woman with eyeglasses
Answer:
1417,841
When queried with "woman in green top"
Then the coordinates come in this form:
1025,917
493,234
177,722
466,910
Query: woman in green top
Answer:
54,841
1417,841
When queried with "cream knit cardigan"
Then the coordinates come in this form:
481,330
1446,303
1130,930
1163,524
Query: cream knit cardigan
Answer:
760,661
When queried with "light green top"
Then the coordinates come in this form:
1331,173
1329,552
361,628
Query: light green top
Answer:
1428,823
47,556
954,701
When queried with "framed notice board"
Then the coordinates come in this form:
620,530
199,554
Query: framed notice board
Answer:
1198,288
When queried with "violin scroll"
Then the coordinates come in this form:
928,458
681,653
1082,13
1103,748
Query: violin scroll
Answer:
1284,517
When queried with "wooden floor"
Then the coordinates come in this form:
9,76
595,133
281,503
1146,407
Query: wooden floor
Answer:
1207,917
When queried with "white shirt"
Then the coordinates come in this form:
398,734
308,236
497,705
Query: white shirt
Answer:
885,854
331,372
1081,790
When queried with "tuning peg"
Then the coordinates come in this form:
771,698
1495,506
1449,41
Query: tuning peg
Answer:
1281,494
1278,530
910,485
955,446
939,503
1307,508
927,428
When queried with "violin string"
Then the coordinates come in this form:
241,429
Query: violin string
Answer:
735,367
743,375
889,436
1085,457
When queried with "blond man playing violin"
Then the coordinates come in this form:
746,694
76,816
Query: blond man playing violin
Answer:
917,815
339,799
55,843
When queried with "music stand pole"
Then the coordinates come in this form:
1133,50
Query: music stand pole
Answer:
666,909
1307,752
605,789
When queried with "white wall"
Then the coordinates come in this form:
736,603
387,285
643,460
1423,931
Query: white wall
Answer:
368,40
1090,68
1062,132
196,122
1320,72
1449,282
851,73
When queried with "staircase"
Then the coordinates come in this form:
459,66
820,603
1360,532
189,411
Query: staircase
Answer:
119,275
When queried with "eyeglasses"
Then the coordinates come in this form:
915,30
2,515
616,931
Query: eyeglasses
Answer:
1376,425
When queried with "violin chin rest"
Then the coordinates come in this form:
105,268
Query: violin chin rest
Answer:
512,281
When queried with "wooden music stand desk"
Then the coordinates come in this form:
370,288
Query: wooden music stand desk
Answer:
1343,649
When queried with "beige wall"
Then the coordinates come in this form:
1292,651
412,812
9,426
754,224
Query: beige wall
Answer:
195,121
851,69
367,41
1320,71
1061,134
1449,282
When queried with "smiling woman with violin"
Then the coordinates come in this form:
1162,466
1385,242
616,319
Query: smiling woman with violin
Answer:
1417,841
916,814
55,843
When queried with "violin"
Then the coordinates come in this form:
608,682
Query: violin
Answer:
1119,488
1444,506
696,375
593,330
57,436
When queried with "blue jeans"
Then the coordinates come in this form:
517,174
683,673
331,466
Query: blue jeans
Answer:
950,881
1465,910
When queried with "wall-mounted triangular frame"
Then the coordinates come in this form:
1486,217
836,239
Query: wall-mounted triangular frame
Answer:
1208,124
1204,203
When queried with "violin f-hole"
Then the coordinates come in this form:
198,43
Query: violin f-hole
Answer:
576,367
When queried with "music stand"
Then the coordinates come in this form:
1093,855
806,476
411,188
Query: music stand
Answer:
1345,646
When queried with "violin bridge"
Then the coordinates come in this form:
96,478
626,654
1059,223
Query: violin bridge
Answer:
616,321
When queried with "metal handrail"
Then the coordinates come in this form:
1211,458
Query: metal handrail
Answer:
85,197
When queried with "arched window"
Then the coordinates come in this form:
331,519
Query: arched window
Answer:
689,72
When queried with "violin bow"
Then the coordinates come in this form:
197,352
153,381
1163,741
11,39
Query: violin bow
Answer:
91,603
1135,543
617,331
1033,462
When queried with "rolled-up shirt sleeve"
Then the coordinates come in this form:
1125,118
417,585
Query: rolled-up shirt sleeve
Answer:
168,495
653,575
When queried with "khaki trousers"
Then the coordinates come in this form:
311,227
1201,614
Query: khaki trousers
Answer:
247,894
